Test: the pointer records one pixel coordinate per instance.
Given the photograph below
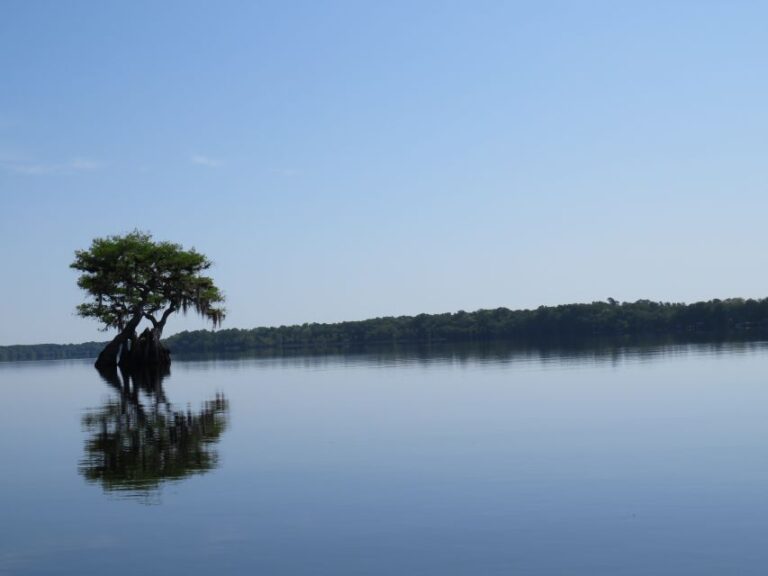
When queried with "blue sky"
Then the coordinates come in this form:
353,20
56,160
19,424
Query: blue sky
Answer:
345,160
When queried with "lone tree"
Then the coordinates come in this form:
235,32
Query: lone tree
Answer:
131,278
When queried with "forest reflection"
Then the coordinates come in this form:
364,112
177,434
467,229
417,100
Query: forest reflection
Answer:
138,439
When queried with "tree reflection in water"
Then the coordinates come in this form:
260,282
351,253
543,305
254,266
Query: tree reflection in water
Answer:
139,440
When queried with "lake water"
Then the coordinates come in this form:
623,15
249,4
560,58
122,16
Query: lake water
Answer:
458,462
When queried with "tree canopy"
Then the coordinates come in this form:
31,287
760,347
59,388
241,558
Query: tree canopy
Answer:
131,277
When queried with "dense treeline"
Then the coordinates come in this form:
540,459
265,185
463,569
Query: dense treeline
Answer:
50,351
545,324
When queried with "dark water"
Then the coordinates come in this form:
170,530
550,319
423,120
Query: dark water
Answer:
610,461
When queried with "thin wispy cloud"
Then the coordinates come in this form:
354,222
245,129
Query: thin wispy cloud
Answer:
73,166
83,165
201,160
284,171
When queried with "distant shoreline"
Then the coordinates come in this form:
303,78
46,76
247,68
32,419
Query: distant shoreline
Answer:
547,325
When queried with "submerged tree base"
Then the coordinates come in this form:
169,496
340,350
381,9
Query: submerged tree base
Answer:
144,351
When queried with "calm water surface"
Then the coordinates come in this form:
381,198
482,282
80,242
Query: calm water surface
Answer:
623,461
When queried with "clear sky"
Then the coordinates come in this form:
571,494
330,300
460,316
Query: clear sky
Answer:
345,160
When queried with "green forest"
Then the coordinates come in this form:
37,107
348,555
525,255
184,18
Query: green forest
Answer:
566,323
50,351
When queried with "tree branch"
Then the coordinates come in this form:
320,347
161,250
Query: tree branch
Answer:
171,309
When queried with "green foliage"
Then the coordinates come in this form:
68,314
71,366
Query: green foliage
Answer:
132,276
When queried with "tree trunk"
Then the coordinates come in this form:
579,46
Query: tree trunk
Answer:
128,346
147,352
108,358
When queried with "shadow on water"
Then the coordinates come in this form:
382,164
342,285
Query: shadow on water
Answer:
138,440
